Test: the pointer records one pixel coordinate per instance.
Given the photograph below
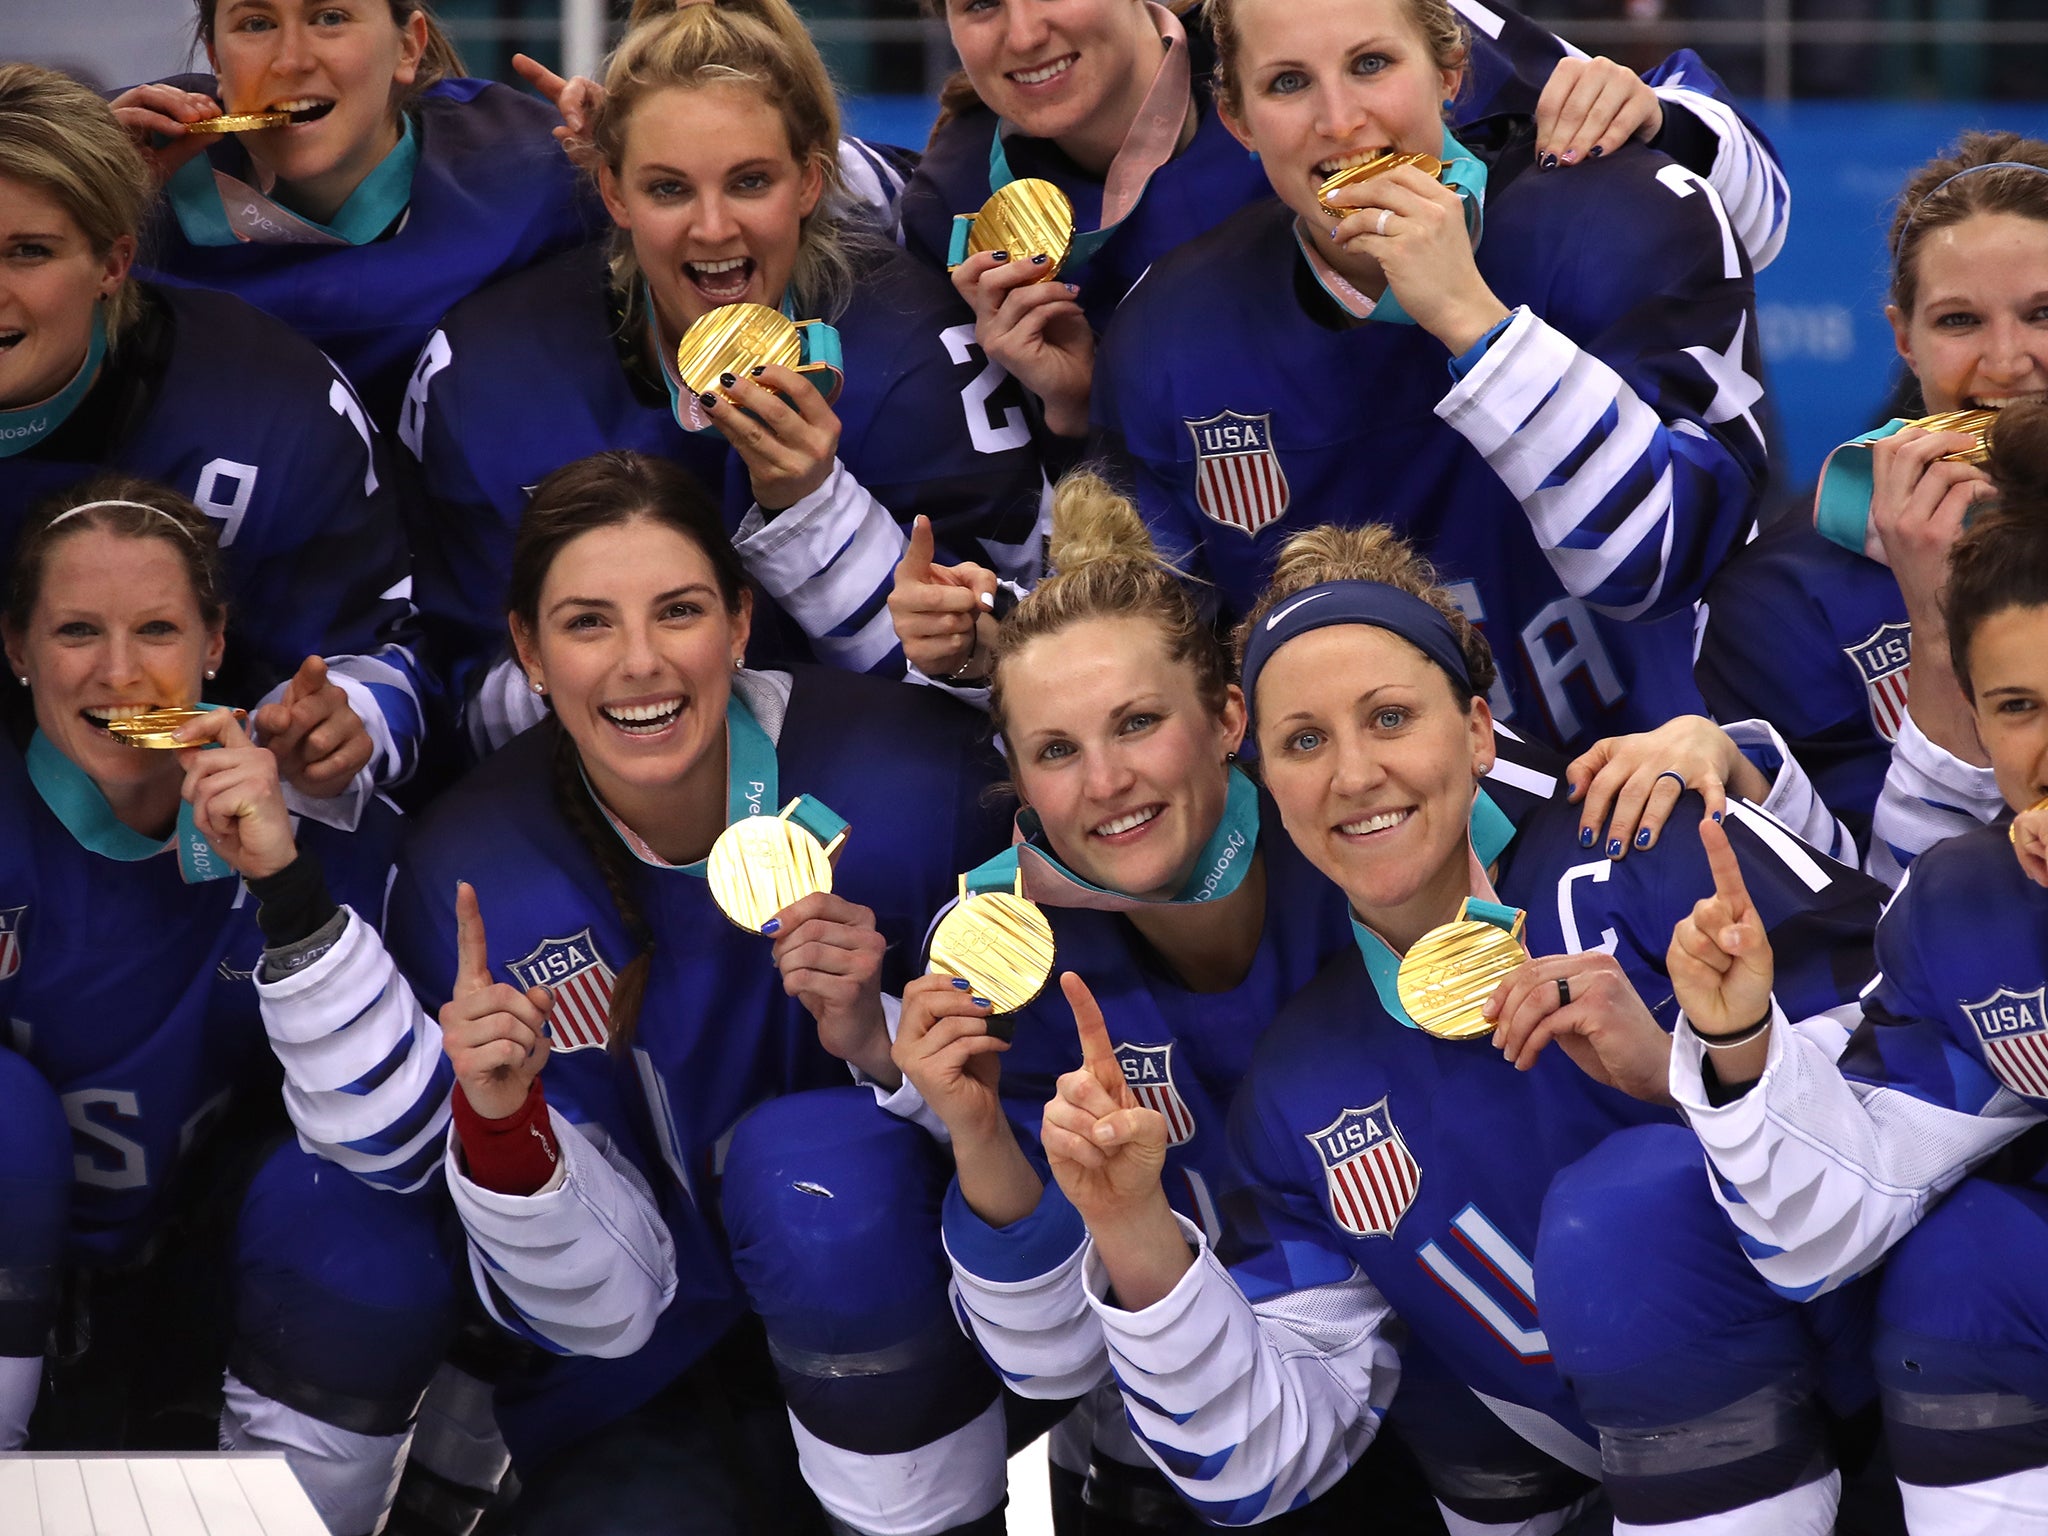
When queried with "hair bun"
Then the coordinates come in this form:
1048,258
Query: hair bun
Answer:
1092,523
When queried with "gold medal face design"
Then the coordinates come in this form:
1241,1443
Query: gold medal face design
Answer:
760,865
1450,972
999,943
1351,175
240,122
736,339
153,728
1027,218
1975,422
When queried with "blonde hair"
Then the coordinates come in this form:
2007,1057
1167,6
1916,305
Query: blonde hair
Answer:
1105,567
1373,552
763,42
61,138
1450,45
440,60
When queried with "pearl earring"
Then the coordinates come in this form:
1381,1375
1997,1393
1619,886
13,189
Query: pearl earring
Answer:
209,674
538,686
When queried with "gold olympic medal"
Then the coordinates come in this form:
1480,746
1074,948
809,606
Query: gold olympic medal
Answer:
153,728
1026,218
1351,175
1975,422
999,943
760,865
240,122
1450,972
736,339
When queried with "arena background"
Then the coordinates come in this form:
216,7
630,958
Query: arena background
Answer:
1853,93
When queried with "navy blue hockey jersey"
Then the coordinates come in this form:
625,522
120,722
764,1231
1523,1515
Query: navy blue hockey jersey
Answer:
1576,487
1424,1162
492,194
223,404
133,994
717,1034
1814,639
536,372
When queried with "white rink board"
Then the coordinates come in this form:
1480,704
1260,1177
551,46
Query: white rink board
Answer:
162,1495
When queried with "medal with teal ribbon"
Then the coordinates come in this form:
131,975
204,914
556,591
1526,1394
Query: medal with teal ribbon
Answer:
1465,174
75,800
214,208
736,339
21,429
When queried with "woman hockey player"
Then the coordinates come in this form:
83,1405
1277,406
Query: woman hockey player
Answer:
397,189
718,136
1853,596
1391,1169
171,1224
1263,374
1829,1166
589,1203
201,393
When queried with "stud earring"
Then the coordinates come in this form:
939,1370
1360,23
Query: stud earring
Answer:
209,674
22,680
537,686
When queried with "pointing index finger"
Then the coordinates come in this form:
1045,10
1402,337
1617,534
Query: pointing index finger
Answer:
472,954
1721,860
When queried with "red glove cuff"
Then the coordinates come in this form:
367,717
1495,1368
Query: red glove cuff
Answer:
512,1156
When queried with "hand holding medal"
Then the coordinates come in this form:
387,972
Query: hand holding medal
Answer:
755,375
2029,834
1006,268
998,942
236,798
1420,232
762,864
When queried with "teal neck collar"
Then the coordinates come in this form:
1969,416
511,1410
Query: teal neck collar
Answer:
76,801
1491,834
214,208
1465,174
22,429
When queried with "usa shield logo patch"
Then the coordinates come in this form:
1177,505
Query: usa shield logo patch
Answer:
2013,1027
1238,478
1149,1071
1884,658
575,972
10,940
1370,1174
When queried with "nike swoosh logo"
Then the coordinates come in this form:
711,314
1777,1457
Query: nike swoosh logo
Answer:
1277,615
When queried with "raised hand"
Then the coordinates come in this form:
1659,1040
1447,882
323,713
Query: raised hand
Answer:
830,955
320,742
782,429
1590,108
1106,1149
1627,785
944,1047
1720,958
1425,251
495,1035
939,610
1595,1016
1035,330
236,799
577,98
150,112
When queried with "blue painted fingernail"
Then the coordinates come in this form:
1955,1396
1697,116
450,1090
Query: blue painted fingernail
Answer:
773,925
709,402
1001,256
982,1002
1614,848
1717,817
727,380
1643,838
962,983
1038,261
1585,837
1596,153
1546,162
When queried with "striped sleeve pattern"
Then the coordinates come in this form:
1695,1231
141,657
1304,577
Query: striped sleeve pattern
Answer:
1929,796
830,562
1017,1290
583,1267
1250,1410
1621,500
1746,172
366,1082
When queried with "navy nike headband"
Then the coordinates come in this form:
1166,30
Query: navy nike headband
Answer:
1375,603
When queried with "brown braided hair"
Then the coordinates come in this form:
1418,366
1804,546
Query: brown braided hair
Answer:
609,490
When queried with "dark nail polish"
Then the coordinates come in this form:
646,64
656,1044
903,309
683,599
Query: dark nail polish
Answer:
756,372
727,381
709,402
1038,261
962,983
982,1002
999,255
773,925
1585,837
1717,818
1597,153
1643,838
1614,848
1546,162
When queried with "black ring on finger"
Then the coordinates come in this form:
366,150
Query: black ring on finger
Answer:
1564,991
1670,773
